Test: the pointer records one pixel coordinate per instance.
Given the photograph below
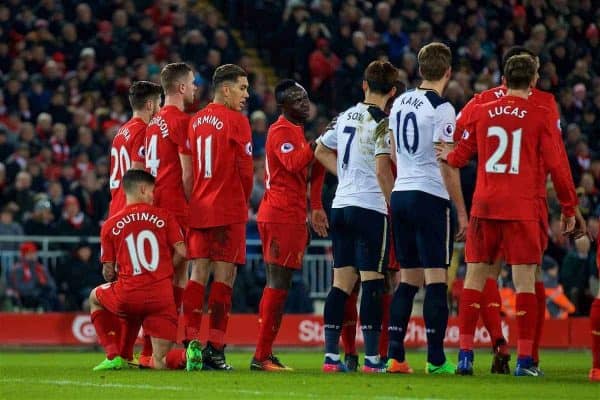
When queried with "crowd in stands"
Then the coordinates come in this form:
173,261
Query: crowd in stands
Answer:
66,66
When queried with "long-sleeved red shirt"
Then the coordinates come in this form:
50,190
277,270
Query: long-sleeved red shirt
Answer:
288,156
514,141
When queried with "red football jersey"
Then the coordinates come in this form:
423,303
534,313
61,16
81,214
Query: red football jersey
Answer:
221,145
287,159
127,147
513,139
139,240
536,96
166,137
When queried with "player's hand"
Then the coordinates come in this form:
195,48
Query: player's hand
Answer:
108,272
567,224
463,222
441,151
580,229
319,222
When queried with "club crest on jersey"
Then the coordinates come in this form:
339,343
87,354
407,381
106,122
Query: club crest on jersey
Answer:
287,147
249,148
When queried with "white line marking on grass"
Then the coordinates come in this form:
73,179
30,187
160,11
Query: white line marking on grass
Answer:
259,393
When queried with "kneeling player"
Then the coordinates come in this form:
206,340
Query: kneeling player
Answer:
142,240
282,214
359,222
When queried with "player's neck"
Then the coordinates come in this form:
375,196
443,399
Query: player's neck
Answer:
523,93
142,115
176,101
436,86
292,120
375,100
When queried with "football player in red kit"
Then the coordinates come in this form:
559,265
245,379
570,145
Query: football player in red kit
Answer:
142,241
595,328
220,141
127,149
491,301
282,214
514,141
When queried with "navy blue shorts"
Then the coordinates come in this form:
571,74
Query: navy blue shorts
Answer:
423,229
360,238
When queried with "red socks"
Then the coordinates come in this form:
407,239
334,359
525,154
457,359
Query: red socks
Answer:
595,325
526,323
178,296
107,329
491,303
468,314
349,327
219,307
129,333
272,304
386,301
175,359
540,295
193,302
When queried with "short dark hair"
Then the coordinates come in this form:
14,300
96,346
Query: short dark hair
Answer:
515,51
519,71
173,73
133,177
142,91
282,87
434,60
381,76
227,73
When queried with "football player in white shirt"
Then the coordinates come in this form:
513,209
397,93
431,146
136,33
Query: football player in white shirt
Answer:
359,224
421,207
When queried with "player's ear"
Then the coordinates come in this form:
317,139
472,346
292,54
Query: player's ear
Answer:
365,86
392,92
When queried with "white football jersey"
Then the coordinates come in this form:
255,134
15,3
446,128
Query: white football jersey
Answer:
358,136
418,119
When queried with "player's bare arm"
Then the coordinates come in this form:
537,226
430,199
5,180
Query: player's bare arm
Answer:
451,177
108,272
327,157
187,177
385,177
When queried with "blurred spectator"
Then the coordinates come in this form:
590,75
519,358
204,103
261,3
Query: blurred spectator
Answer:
258,123
558,306
9,227
30,284
41,221
20,195
574,273
78,276
73,221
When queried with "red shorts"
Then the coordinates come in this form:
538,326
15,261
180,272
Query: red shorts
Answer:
283,244
519,242
219,243
393,264
157,313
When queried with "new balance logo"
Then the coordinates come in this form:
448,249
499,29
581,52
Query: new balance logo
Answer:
596,333
495,305
521,313
475,305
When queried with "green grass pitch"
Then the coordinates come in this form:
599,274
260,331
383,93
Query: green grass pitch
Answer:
68,375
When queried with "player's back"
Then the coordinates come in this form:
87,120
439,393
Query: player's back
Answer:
126,148
218,137
165,139
140,239
357,145
418,119
511,135
287,158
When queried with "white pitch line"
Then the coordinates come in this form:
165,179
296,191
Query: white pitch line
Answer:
65,382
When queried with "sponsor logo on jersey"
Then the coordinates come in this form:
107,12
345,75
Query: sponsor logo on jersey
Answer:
287,147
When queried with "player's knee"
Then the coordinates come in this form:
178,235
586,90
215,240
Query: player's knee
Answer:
279,277
93,300
370,275
412,276
345,278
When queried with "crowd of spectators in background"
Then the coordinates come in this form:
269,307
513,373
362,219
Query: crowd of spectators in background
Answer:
66,66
